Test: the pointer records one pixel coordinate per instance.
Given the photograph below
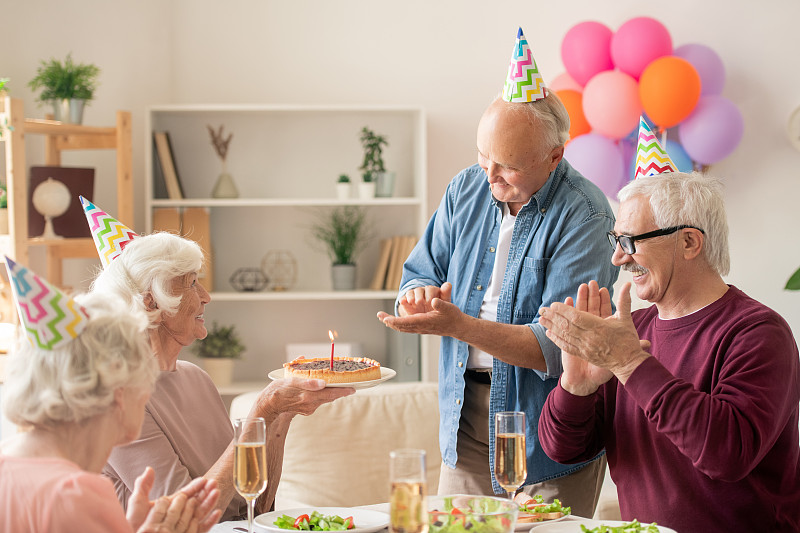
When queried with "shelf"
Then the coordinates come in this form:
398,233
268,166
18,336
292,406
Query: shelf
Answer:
80,247
283,202
297,296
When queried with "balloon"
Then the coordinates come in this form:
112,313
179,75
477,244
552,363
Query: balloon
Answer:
679,156
708,65
564,81
637,43
712,131
599,160
585,51
573,101
611,104
669,89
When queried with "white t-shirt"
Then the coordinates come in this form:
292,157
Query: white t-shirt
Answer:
479,358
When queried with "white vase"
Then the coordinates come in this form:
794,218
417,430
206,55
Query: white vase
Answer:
343,277
225,187
384,184
343,191
220,369
366,190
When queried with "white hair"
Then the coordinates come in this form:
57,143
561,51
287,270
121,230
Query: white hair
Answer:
693,199
550,115
147,265
76,381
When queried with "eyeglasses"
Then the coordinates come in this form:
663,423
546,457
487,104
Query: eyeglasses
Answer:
627,241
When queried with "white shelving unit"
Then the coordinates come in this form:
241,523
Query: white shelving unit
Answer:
285,161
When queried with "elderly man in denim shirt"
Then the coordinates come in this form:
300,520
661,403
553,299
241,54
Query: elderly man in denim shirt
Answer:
520,229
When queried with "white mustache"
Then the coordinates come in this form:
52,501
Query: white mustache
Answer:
635,269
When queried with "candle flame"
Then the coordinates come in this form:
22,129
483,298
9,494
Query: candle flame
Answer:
332,335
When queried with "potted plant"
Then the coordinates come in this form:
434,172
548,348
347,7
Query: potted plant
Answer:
218,350
67,85
343,234
372,167
343,187
3,210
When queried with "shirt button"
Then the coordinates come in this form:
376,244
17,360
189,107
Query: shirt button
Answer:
458,401
479,288
460,364
543,210
491,249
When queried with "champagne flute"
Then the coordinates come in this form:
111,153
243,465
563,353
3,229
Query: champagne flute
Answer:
250,461
510,461
408,512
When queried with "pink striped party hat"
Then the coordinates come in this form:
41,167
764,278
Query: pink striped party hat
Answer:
524,83
50,318
109,234
651,158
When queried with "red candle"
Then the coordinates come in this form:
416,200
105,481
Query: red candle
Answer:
331,335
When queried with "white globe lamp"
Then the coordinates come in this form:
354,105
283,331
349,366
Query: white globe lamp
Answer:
51,198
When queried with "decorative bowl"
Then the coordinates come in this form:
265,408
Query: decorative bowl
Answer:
462,513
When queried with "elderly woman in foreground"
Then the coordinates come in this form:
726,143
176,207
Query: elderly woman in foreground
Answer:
77,389
187,431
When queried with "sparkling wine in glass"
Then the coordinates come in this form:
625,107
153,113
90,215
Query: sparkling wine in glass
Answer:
408,511
250,461
510,462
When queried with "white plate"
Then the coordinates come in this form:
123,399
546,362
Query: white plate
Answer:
386,374
525,526
574,525
366,520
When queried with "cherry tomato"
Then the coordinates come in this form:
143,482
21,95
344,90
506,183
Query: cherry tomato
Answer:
299,520
349,522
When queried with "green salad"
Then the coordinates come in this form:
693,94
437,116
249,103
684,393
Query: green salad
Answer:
627,527
478,518
538,500
315,522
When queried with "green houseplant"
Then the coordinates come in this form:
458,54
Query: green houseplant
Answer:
343,233
218,350
372,166
793,284
68,85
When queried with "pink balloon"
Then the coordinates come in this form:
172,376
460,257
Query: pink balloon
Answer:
599,159
585,50
708,65
712,131
637,43
611,104
564,82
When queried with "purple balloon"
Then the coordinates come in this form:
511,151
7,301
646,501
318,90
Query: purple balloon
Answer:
599,159
712,131
708,65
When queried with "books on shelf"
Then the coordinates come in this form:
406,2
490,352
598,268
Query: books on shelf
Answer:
166,164
393,253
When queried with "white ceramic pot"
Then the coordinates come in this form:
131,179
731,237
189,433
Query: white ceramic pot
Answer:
366,190
220,369
343,277
343,191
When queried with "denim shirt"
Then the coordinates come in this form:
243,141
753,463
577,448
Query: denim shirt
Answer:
559,241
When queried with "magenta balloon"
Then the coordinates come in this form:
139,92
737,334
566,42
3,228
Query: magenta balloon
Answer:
708,65
564,82
712,131
637,43
599,159
586,51
611,104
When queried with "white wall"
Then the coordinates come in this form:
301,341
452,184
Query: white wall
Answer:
447,55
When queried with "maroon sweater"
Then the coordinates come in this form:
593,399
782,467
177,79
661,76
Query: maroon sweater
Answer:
704,435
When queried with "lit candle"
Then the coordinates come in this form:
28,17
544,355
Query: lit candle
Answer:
331,334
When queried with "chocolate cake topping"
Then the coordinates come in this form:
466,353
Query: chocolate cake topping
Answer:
338,366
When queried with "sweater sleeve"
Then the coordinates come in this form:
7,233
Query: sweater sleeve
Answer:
571,427
85,503
727,432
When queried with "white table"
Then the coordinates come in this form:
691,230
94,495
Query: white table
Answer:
228,527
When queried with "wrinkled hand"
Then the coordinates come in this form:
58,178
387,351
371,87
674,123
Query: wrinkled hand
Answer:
611,343
296,396
191,509
433,314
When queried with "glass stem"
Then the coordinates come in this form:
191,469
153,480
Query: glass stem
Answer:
251,503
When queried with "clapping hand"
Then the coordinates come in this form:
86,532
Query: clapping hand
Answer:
425,310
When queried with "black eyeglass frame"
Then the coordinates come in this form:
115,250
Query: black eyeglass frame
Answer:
626,242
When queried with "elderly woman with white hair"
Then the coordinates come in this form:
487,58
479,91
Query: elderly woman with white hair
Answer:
77,389
187,431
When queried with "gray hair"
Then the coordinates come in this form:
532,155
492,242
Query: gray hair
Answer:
678,198
77,380
148,264
548,113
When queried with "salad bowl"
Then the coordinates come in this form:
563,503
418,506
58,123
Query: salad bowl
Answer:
462,513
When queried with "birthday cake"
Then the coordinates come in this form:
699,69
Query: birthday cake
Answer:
345,369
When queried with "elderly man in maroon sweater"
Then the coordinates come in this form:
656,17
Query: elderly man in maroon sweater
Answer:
695,399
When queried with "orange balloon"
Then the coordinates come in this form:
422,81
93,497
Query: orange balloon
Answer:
669,88
573,101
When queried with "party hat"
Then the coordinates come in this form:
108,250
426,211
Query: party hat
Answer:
51,318
523,83
651,158
109,234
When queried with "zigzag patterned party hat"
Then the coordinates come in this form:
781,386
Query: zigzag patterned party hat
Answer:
109,234
51,318
651,158
524,83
